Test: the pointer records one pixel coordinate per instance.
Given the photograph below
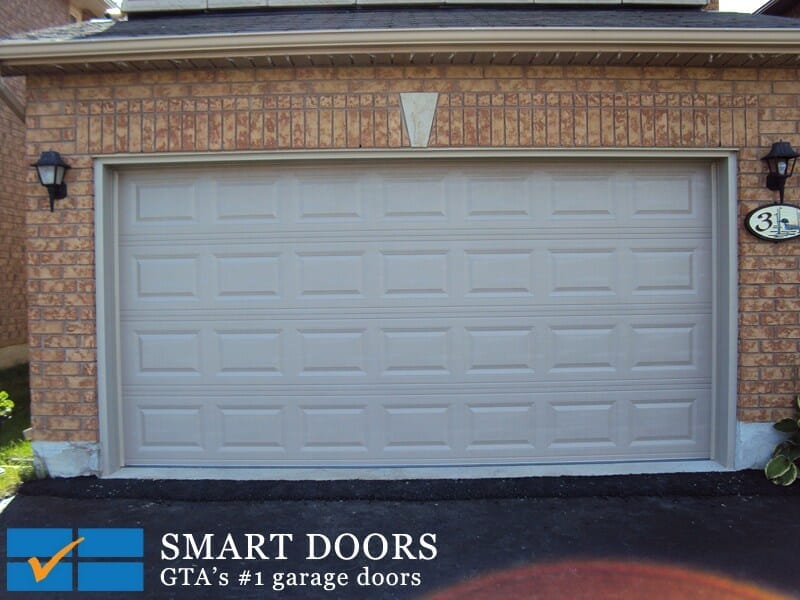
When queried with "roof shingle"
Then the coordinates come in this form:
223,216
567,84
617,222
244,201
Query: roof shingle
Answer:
393,18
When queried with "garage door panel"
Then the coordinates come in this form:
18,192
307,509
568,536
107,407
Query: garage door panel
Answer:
415,313
401,200
169,428
630,271
423,428
494,350
160,202
611,424
162,278
575,426
244,276
339,274
337,351
412,351
676,346
248,198
665,270
665,421
252,353
419,428
670,196
251,428
585,350
499,272
379,350
172,428
416,273
501,428
327,429
584,272
167,352
328,198
498,195
575,197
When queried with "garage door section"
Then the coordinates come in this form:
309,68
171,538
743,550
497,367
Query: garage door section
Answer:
415,313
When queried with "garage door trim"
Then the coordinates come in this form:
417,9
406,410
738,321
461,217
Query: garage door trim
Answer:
724,268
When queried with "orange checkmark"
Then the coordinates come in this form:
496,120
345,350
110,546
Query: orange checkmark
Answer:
42,571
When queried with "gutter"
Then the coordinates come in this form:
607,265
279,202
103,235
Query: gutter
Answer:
22,53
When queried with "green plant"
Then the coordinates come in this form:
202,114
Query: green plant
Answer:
782,468
15,381
6,406
16,459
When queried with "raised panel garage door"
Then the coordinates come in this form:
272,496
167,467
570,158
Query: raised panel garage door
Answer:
415,313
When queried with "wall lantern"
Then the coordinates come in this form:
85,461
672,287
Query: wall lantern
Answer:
51,169
776,222
780,160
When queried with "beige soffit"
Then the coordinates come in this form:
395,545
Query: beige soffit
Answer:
17,55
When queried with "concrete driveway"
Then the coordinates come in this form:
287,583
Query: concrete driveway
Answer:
651,536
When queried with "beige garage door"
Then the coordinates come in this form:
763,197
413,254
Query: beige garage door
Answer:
415,313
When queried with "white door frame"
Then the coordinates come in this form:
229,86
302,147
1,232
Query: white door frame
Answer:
724,306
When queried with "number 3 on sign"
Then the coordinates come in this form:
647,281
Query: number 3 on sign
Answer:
775,222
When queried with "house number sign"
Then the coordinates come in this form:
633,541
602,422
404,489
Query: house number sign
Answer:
775,222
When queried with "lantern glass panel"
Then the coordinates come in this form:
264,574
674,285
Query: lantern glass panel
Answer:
47,174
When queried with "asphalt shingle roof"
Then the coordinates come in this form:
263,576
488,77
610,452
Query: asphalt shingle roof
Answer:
317,19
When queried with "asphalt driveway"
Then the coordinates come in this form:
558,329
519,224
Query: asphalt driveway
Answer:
735,529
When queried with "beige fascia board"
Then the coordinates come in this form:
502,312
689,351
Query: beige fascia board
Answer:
20,53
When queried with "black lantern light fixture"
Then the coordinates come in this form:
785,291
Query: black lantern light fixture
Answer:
780,160
51,169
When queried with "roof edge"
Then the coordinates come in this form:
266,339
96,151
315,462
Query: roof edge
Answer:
22,53
177,6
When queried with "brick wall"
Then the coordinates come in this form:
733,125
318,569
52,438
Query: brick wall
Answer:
13,314
24,15
582,107
16,16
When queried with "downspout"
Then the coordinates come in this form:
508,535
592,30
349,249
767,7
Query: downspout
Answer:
11,100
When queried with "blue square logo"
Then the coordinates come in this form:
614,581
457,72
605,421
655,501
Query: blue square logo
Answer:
64,560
